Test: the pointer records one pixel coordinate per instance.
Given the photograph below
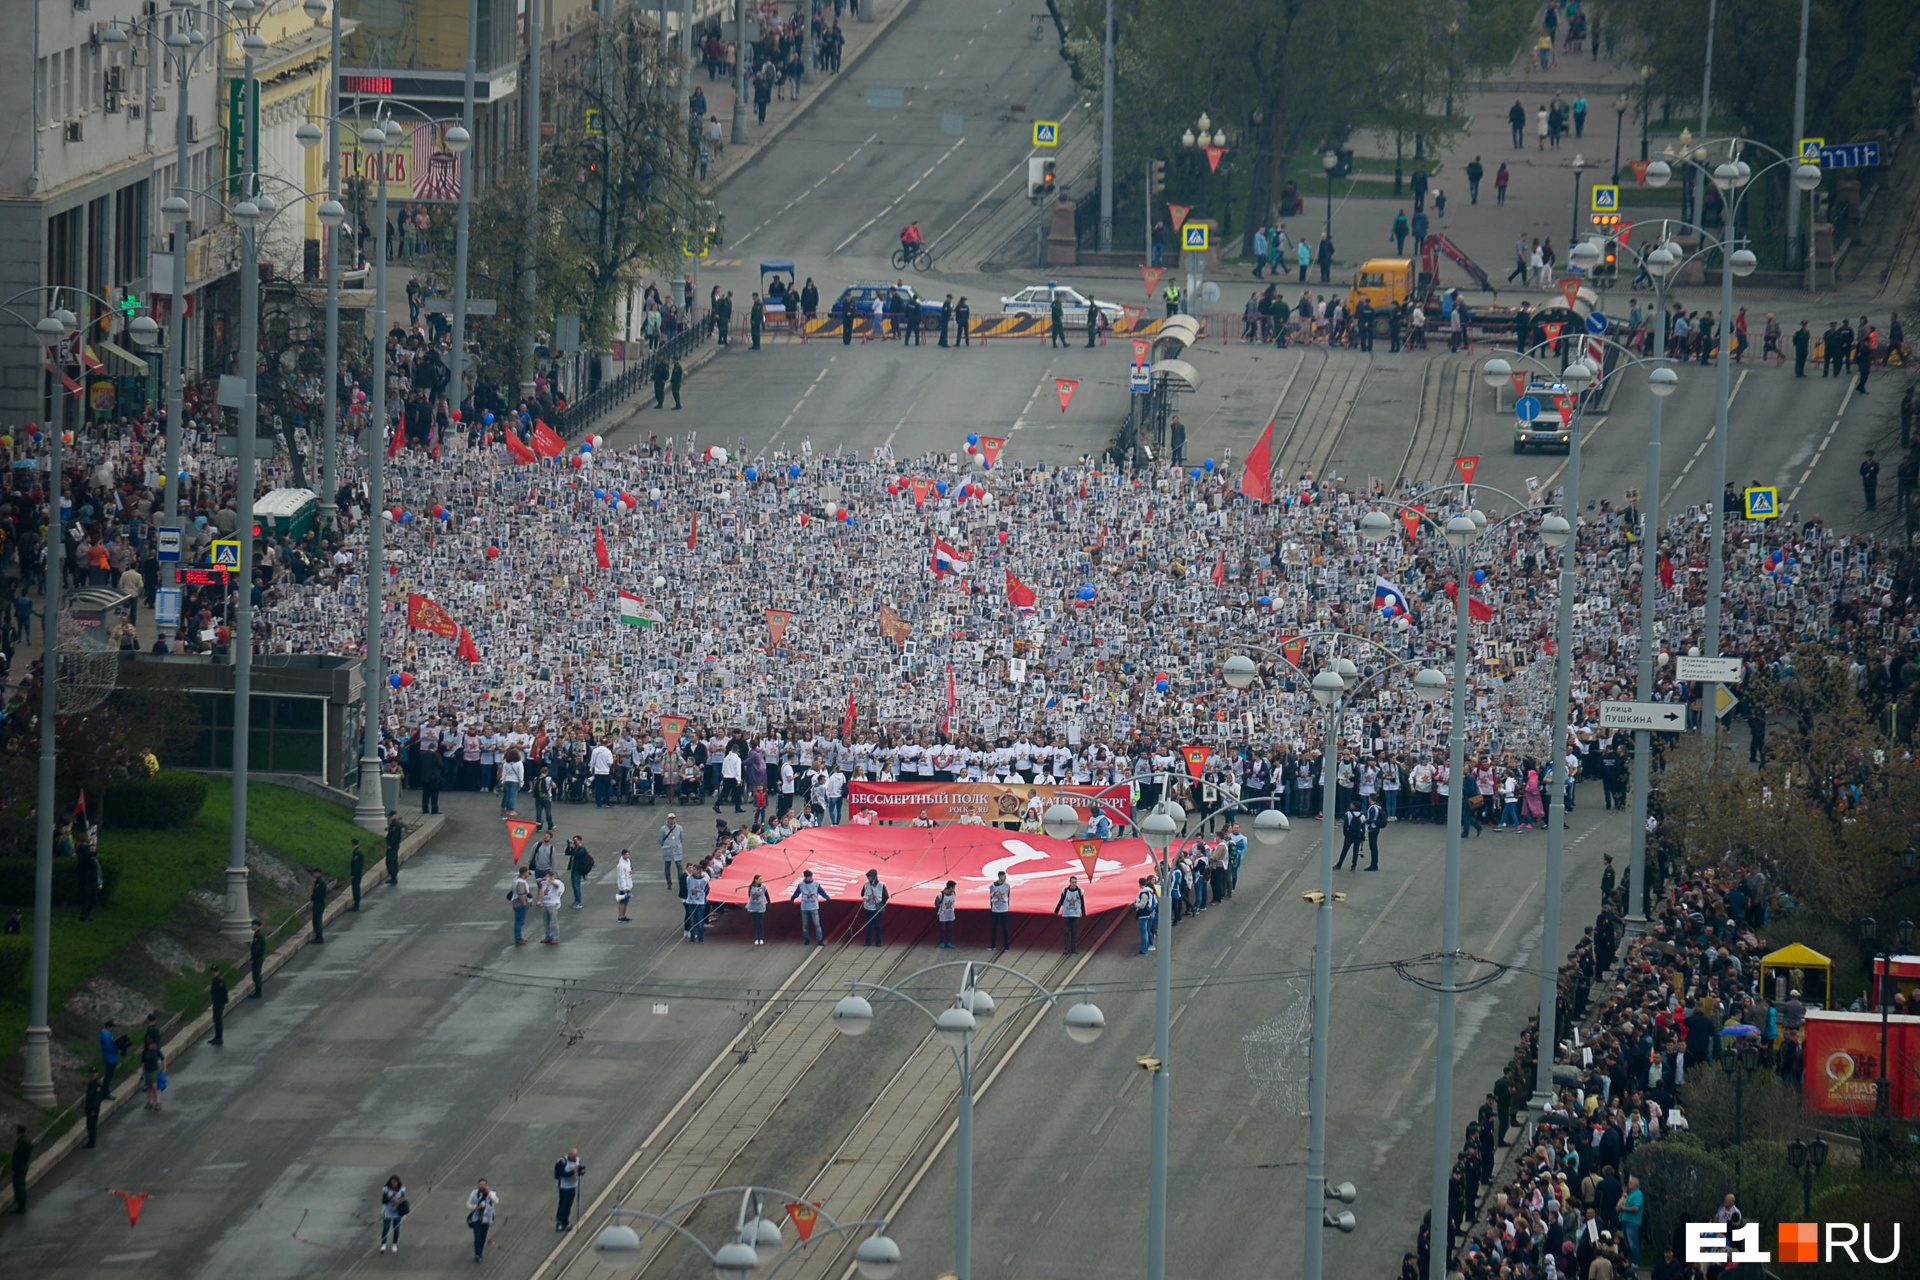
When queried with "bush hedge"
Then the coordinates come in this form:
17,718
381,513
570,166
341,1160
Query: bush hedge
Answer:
170,798
16,962
16,883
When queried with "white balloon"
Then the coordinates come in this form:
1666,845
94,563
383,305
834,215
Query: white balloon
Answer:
719,454
653,494
658,583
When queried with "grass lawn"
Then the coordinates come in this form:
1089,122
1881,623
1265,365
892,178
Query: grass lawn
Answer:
149,872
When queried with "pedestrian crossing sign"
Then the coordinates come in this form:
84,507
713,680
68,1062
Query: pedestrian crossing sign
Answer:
595,120
1606,198
1763,503
1810,149
226,554
1193,235
1046,133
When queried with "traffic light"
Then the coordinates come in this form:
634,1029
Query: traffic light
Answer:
1156,178
1039,177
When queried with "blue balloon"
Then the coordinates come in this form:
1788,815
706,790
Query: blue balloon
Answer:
1195,473
487,418
394,679
586,446
1479,576
1087,592
1160,686
600,494
794,471
1266,600
406,517
941,486
1387,612
973,437
1209,465
753,473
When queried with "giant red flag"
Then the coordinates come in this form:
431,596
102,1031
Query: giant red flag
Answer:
1256,481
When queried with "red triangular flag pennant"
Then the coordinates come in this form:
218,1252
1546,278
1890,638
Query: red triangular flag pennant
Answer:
1639,168
1466,466
1293,648
671,727
1552,330
1256,481
1088,852
804,1216
1140,348
1621,232
1565,405
1570,289
1152,276
1066,388
134,1201
1177,213
1411,519
920,486
777,620
1196,758
519,831
1519,384
1213,158
990,447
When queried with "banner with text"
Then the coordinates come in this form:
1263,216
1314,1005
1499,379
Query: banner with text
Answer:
990,801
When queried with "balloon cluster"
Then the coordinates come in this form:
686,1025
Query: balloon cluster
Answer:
401,679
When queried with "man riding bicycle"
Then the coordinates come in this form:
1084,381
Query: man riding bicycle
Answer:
911,240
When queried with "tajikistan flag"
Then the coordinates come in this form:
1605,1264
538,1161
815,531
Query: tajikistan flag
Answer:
634,612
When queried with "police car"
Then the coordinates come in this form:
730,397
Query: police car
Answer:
1546,431
1038,301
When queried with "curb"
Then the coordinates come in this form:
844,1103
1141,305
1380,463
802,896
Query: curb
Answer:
193,1032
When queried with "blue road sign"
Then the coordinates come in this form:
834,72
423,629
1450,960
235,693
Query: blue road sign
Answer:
167,545
1137,381
1596,323
1850,155
1527,407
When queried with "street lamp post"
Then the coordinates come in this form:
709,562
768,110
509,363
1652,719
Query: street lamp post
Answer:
1329,161
1158,829
1573,226
1738,1064
51,330
758,1241
1620,105
970,1017
1199,138
329,513
1882,955
1807,1159
1732,178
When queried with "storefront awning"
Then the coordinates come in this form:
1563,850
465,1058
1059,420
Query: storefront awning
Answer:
118,361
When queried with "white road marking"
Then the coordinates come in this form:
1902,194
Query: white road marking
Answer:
1833,427
896,200
1740,382
804,194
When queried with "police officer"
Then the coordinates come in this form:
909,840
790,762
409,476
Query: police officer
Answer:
395,834
257,953
1376,818
318,900
756,317
1172,295
217,988
1801,339
946,318
1829,349
356,867
912,338
846,322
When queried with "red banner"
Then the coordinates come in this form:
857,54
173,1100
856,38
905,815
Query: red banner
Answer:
916,863
1843,1063
428,616
546,441
671,727
992,801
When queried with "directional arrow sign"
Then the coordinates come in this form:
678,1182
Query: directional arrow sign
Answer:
1662,717
1717,670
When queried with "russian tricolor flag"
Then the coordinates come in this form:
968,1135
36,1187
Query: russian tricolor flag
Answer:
1389,599
946,559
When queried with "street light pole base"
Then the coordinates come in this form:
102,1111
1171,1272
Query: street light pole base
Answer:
37,1084
1636,925
370,813
236,922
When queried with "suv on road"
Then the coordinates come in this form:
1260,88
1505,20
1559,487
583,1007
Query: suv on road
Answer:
863,294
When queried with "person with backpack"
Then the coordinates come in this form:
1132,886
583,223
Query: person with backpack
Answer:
520,895
544,792
482,1205
1146,913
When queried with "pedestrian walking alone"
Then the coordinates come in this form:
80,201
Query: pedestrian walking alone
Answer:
395,834
566,1172
482,1205
1072,905
622,884
317,900
1869,469
673,850
217,990
1500,180
393,1208
91,1107
551,896
520,897
1000,902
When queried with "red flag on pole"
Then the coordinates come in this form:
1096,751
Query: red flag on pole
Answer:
1467,466
1666,572
469,652
519,831
1066,387
517,448
425,615
546,441
1220,569
1019,593
1256,481
693,534
600,556
1478,610
393,445
847,721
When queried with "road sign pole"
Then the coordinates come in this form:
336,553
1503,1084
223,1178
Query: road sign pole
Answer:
1799,126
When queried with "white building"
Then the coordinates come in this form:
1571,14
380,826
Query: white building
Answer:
84,169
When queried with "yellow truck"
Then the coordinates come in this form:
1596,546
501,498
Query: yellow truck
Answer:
1390,281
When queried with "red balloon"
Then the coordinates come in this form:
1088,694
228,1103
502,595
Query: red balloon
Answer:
438,511
493,553
406,679
893,490
841,516
456,415
1003,537
576,462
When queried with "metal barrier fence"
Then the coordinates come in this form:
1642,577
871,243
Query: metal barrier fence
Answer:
607,398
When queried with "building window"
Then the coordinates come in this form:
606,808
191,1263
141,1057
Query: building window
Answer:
130,233
285,734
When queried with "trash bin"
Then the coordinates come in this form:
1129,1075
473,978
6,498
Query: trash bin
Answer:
390,791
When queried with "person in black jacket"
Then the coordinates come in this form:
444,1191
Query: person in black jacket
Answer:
1353,829
318,900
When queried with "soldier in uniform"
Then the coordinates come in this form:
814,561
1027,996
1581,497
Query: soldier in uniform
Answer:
318,899
356,867
395,834
94,1094
217,988
257,953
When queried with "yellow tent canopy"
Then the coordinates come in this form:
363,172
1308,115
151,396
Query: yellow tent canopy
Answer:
1797,968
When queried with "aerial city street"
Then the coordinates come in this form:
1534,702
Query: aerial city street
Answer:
1354,564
